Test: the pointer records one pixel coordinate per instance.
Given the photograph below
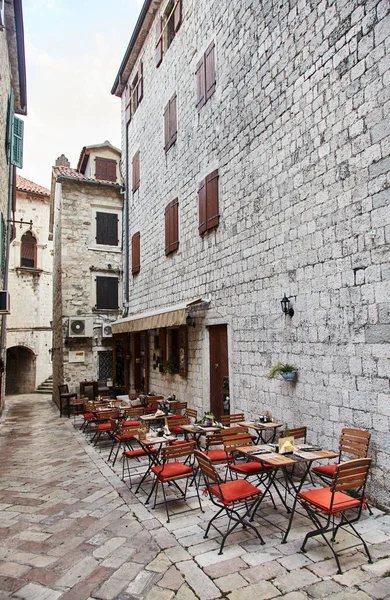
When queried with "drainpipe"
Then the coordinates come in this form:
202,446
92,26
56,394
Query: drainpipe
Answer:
125,229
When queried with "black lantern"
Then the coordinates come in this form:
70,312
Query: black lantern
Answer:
190,321
285,302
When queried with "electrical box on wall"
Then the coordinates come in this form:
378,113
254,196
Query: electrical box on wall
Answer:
80,327
4,302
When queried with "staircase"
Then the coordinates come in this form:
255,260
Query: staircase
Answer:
46,387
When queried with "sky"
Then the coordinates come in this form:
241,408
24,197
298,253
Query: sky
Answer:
74,49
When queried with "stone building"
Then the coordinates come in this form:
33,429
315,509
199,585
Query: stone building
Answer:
86,224
13,101
256,143
29,335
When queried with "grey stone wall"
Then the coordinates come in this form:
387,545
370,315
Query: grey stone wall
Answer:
299,130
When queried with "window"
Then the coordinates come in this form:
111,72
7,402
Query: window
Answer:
170,123
136,171
172,226
28,255
136,253
107,293
107,229
166,28
205,77
134,93
105,169
208,203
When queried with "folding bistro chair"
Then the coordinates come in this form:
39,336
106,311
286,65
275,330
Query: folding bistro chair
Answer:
191,413
331,504
172,470
105,424
235,419
134,454
231,498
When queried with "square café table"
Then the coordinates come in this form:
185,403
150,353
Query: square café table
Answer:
261,429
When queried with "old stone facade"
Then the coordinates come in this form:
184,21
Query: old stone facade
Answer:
12,101
29,334
294,120
87,265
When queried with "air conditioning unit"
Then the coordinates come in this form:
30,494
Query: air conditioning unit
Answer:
106,330
4,302
80,327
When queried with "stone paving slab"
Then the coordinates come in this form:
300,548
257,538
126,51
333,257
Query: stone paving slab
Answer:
70,529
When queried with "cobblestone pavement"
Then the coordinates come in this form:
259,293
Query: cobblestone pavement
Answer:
71,529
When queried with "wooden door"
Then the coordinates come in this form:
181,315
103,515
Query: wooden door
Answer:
219,370
141,362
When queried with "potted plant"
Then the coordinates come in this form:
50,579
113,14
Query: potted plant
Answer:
170,366
287,371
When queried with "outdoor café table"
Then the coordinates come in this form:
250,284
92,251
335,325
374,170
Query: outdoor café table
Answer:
261,429
149,442
283,461
196,431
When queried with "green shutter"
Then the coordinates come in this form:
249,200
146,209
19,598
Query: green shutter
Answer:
17,143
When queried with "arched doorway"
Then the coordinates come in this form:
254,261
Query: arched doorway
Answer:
20,371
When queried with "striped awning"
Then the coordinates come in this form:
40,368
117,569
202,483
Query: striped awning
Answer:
169,316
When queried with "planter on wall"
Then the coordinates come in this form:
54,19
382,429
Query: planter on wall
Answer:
289,375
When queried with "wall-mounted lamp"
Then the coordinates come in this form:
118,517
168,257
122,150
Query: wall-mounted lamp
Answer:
190,321
285,302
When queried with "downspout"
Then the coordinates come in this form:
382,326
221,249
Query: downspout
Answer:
125,228
12,183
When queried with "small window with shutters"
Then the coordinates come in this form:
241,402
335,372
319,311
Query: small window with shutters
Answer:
136,253
105,169
107,229
134,92
170,123
208,203
28,254
136,171
167,26
107,293
172,227
205,77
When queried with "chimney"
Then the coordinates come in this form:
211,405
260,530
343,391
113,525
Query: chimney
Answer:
62,161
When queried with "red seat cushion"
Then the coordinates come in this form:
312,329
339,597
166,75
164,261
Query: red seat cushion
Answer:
325,470
130,423
321,499
247,468
234,491
174,469
135,453
218,455
103,427
176,430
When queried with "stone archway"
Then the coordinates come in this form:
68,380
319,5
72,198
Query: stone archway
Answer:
20,371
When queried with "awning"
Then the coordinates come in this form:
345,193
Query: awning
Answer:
170,316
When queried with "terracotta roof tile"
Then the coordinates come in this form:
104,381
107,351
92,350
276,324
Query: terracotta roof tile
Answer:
25,185
74,174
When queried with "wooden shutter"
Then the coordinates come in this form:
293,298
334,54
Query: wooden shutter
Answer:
212,199
107,229
17,143
172,120
105,169
136,171
166,127
202,207
107,293
136,253
127,104
140,87
210,70
159,42
172,226
200,84
111,170
177,14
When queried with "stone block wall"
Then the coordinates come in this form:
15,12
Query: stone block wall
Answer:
299,129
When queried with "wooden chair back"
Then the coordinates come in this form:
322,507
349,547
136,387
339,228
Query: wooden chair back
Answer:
108,415
354,442
63,389
177,421
173,453
176,407
127,433
231,419
191,413
208,470
351,475
89,389
132,412
299,433
241,438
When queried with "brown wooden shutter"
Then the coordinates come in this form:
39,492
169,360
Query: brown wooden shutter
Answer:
105,169
159,41
107,229
177,14
202,207
107,293
136,253
127,104
140,87
172,226
136,171
210,70
111,170
212,199
172,120
200,84
166,127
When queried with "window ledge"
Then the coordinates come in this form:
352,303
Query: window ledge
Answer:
106,310
31,270
104,248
